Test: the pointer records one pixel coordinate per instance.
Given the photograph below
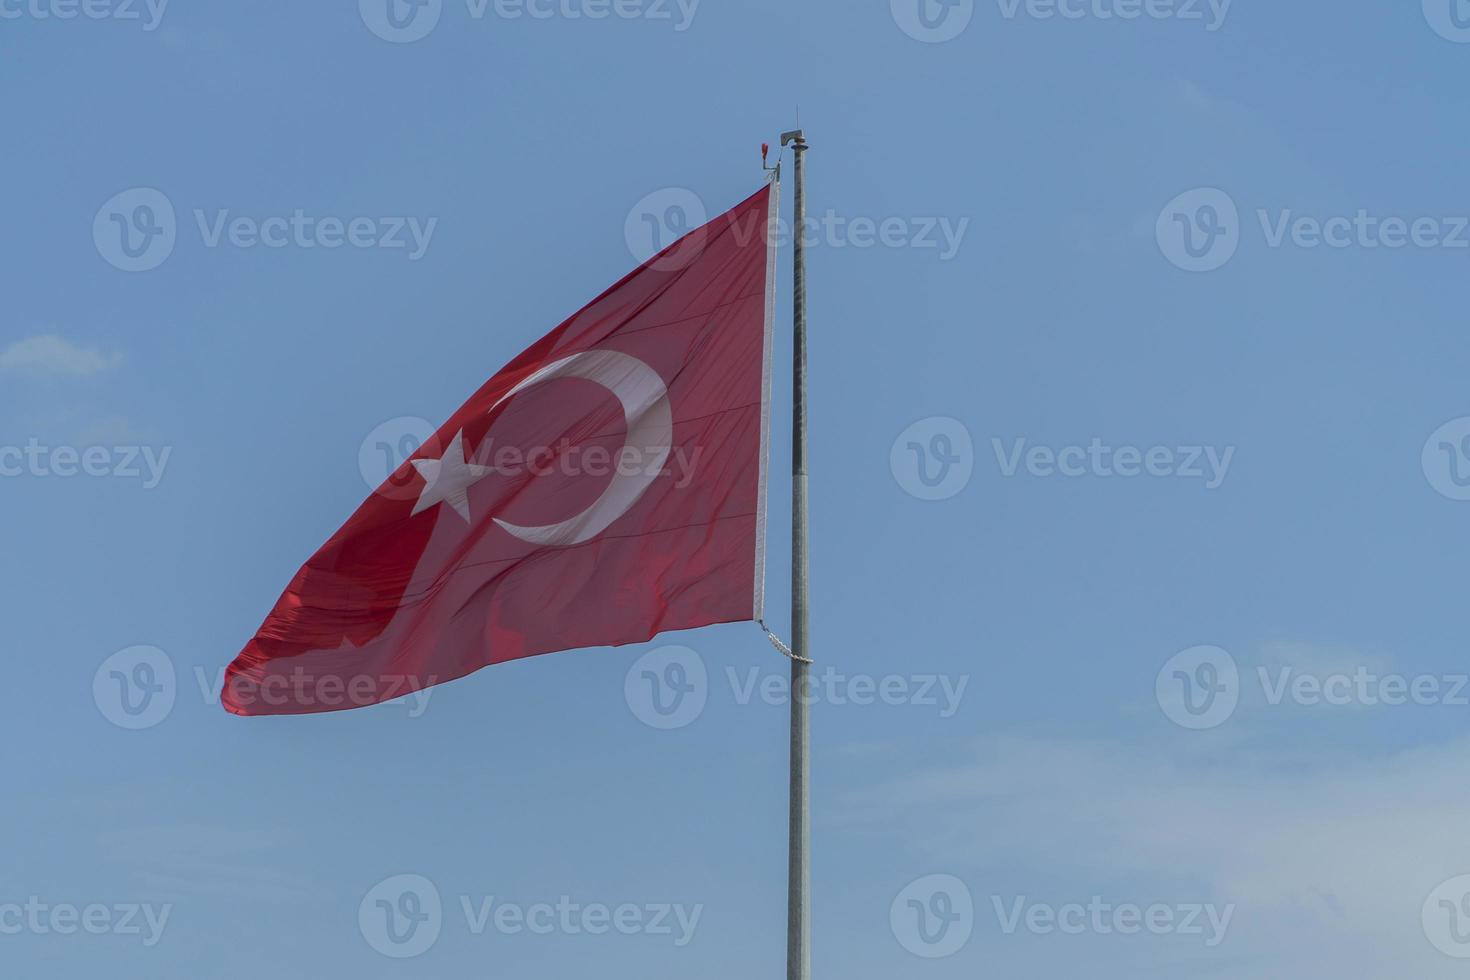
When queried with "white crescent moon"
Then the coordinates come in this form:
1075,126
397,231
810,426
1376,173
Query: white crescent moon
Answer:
645,403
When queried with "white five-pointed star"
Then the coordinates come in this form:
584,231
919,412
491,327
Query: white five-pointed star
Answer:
449,478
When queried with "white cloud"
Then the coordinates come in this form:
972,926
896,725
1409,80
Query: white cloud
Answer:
1329,862
1322,660
50,354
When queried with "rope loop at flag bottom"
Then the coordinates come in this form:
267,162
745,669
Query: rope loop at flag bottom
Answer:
777,642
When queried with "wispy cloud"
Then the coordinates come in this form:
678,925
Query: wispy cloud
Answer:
52,355
180,862
1328,862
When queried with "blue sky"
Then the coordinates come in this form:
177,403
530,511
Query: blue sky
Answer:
1220,248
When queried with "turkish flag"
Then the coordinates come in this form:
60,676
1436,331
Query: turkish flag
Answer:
606,485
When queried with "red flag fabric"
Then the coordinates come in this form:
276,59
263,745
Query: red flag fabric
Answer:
605,486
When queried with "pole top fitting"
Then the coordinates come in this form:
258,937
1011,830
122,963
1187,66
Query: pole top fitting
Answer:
795,136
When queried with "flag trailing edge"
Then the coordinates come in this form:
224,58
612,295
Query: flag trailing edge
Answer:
454,563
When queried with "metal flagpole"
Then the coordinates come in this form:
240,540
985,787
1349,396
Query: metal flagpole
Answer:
798,885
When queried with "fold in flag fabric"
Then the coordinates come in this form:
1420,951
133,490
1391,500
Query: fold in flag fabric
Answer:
607,485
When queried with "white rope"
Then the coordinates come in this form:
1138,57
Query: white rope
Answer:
776,642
